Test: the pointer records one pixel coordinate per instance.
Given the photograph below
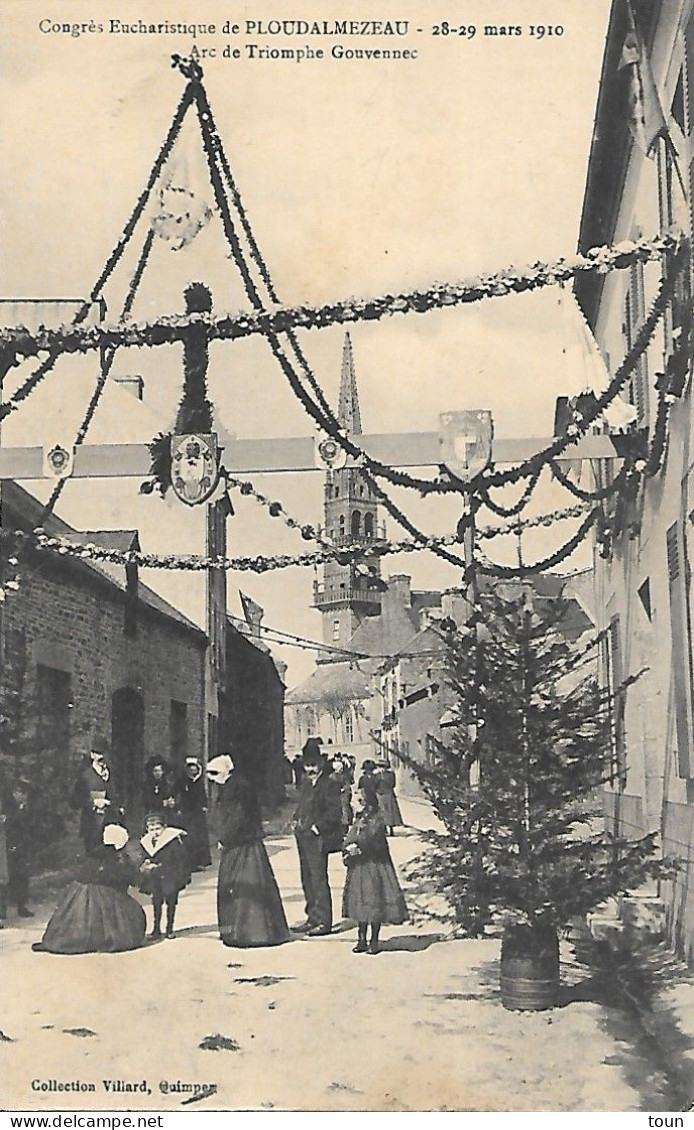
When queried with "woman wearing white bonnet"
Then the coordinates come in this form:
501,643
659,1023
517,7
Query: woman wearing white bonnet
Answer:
96,913
115,835
249,906
192,800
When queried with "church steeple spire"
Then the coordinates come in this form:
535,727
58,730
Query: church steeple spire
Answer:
346,594
348,411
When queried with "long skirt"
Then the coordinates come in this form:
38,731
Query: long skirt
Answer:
372,893
198,838
249,907
390,809
95,919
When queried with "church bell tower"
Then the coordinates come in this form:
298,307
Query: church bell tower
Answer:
345,597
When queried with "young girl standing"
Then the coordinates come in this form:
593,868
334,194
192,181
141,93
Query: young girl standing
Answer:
372,894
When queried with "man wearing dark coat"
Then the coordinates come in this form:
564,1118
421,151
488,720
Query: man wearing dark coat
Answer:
19,833
317,827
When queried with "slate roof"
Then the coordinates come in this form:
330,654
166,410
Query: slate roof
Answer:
342,680
26,512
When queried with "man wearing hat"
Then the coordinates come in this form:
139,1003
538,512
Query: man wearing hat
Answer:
317,827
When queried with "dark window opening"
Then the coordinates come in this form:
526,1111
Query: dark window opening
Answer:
678,103
54,704
128,743
178,731
645,598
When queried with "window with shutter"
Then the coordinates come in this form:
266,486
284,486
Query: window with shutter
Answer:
681,651
615,677
634,315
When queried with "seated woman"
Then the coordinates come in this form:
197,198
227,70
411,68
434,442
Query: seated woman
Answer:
96,914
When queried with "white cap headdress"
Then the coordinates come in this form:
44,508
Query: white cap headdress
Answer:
115,835
220,768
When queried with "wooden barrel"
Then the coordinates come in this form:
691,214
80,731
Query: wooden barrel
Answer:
529,973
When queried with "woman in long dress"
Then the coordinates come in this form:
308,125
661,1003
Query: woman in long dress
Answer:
97,797
387,800
193,806
249,906
96,914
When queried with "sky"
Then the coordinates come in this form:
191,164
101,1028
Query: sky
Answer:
359,177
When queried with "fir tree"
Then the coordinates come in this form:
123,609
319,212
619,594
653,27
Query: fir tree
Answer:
516,782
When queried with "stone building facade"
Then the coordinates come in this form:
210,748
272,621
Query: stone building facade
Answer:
89,651
644,584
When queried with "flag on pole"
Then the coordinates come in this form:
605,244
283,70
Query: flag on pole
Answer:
252,612
585,370
646,118
586,375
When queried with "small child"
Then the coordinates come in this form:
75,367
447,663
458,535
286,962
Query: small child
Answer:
372,894
165,870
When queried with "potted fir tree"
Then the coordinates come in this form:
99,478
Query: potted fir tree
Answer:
515,784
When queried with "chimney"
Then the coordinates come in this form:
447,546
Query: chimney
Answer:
454,607
399,590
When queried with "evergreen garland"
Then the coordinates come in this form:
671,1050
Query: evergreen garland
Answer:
195,413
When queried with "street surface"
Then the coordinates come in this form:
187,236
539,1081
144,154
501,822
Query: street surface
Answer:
308,1025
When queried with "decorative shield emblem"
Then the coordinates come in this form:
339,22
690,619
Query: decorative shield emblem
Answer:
329,454
466,442
58,461
194,467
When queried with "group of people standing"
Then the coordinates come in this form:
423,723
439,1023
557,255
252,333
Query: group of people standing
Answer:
98,914
326,821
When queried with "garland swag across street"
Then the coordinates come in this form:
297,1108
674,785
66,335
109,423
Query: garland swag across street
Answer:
277,323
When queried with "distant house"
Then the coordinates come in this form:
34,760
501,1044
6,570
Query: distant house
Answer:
333,703
415,700
340,700
418,705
